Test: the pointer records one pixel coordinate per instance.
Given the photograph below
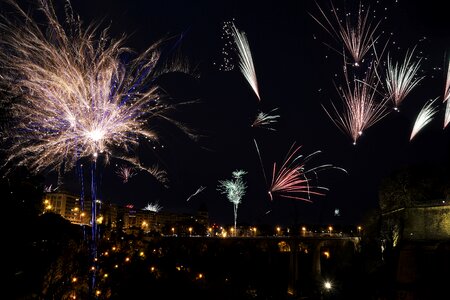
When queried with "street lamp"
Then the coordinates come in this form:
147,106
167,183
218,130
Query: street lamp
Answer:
303,230
327,285
278,230
330,228
190,231
173,231
359,229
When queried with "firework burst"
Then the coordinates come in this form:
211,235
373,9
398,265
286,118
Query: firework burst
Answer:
401,79
293,179
266,120
153,207
125,173
234,189
424,117
245,59
358,36
361,109
75,95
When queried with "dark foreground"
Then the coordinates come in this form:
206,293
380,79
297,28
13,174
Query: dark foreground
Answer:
52,261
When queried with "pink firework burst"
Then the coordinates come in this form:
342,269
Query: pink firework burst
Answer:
361,107
357,36
125,173
294,180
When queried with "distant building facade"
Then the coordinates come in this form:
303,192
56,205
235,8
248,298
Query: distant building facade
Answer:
126,218
68,206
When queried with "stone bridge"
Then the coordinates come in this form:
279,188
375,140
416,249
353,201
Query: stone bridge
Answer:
315,247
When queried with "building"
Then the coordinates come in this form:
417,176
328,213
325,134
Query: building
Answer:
127,218
69,206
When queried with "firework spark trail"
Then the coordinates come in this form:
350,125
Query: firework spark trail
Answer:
153,207
234,189
447,83
424,117
158,173
292,179
79,98
265,120
357,38
49,189
155,170
199,190
361,109
447,114
125,173
447,96
260,160
245,59
401,79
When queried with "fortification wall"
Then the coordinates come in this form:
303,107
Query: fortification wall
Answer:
427,223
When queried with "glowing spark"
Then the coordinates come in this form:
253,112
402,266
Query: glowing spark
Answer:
292,179
265,120
400,80
424,117
245,59
153,207
77,96
228,48
199,190
357,38
95,135
360,108
125,173
234,189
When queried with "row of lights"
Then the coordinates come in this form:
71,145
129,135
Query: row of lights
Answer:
253,229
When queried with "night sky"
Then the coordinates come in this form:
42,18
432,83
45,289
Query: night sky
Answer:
295,72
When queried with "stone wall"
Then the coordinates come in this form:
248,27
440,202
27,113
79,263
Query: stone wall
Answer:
427,223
